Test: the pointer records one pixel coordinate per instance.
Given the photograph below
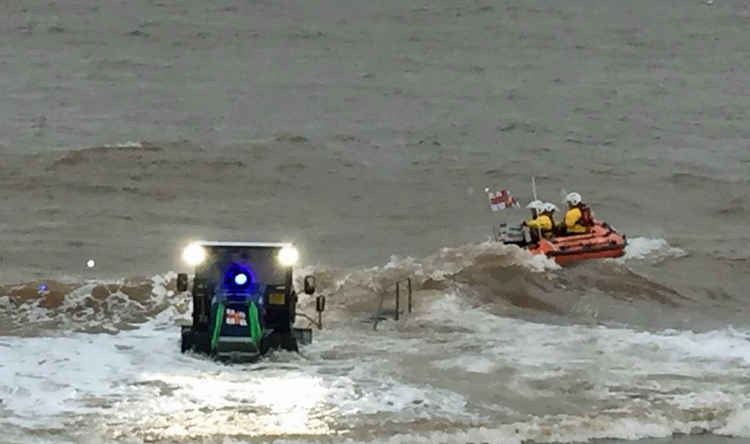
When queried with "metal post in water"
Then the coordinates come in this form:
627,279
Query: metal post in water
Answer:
409,282
398,299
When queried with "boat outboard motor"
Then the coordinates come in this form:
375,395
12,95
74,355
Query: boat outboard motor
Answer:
515,235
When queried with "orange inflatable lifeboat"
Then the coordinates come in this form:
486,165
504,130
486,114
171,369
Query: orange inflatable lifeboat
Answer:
601,242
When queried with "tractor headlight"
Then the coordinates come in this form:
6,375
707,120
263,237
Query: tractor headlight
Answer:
194,254
288,256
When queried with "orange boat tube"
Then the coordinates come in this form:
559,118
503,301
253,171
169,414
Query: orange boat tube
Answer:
601,242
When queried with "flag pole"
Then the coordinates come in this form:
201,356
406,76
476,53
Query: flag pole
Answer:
533,191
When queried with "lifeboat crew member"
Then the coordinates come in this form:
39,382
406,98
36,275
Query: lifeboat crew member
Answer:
536,207
542,223
549,209
578,219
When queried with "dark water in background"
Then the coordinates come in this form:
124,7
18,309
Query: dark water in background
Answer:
362,131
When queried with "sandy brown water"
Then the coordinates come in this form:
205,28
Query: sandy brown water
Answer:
369,129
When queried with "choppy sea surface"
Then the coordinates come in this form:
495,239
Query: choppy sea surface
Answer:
366,133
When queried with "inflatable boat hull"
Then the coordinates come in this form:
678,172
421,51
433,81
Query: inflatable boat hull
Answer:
602,242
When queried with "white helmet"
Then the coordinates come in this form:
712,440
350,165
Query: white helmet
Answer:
573,198
535,205
549,207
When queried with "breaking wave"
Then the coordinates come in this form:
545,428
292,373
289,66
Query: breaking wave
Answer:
504,279
499,347
35,308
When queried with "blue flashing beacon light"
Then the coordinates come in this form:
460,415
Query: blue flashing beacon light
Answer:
240,278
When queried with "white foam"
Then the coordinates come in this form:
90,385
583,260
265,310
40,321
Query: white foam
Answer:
625,383
617,363
128,144
140,382
146,384
642,248
738,423
476,364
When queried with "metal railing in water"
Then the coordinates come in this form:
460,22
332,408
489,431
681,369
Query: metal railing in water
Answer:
379,314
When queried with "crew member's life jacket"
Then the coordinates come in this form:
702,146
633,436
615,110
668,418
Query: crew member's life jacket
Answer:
574,220
544,223
587,220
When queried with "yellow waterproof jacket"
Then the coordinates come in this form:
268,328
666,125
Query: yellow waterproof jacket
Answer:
543,222
572,221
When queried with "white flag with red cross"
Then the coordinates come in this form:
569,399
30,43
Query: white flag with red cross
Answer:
501,200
